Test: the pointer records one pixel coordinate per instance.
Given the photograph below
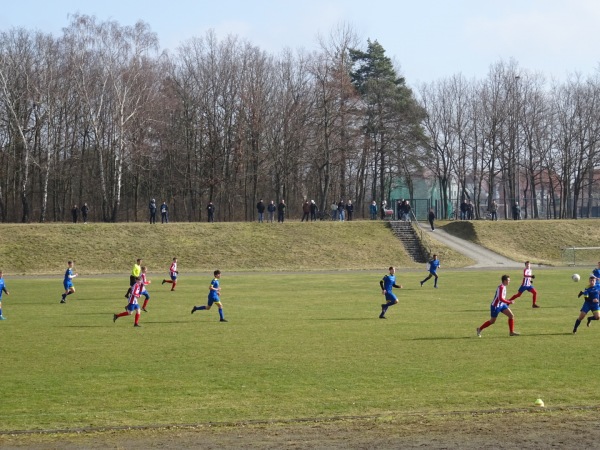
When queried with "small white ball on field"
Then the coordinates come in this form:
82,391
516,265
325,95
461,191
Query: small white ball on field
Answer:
575,277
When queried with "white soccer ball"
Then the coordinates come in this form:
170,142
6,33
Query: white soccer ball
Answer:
575,277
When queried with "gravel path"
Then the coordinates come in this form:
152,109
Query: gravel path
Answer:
484,258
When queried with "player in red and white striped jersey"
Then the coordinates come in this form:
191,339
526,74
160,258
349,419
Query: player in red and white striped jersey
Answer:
173,272
500,305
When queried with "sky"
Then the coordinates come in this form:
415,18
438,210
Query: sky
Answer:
428,40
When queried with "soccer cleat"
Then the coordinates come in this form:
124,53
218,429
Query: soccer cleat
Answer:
535,306
222,320
589,320
478,332
421,284
63,301
136,325
381,316
2,318
193,310
435,287
115,317
514,333
163,281
144,309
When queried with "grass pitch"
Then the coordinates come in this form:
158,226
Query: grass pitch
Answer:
296,346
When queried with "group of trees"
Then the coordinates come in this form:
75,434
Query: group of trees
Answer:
101,115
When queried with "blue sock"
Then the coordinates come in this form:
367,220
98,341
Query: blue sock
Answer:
0,311
198,308
221,313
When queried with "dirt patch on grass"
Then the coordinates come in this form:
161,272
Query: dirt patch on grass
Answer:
534,429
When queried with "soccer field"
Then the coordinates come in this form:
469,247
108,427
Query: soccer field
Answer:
306,345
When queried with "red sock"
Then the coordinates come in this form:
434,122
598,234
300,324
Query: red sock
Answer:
168,281
137,318
174,284
517,295
145,303
534,292
123,314
485,325
511,325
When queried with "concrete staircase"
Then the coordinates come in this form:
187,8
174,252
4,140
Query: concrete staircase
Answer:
410,239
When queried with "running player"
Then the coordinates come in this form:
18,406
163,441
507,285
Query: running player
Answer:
145,282
526,285
173,272
591,303
68,282
432,267
387,283
500,305
2,290
133,305
214,296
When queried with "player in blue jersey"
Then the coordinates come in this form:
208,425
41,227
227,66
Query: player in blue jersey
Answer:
387,283
592,303
432,267
596,273
68,282
2,290
214,296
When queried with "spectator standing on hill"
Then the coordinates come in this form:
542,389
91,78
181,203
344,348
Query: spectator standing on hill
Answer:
173,273
84,212
591,303
516,211
432,266
500,305
68,282
431,218
214,297
407,211
349,209
133,305
373,210
2,291
281,211
152,208
383,208
313,211
334,211
527,285
260,208
136,271
387,283
494,210
210,211
75,213
305,210
271,209
341,210
463,209
164,213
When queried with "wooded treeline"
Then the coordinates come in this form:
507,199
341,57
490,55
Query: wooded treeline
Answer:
101,115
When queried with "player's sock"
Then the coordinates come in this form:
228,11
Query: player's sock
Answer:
174,284
577,322
123,314
517,295
534,292
221,314
199,308
145,304
168,281
64,296
0,311
511,325
485,325
137,319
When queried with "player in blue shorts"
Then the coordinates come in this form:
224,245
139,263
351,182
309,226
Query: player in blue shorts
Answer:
2,290
214,296
133,307
387,283
592,303
68,282
432,267
500,305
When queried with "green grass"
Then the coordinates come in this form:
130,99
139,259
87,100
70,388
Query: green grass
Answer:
296,346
